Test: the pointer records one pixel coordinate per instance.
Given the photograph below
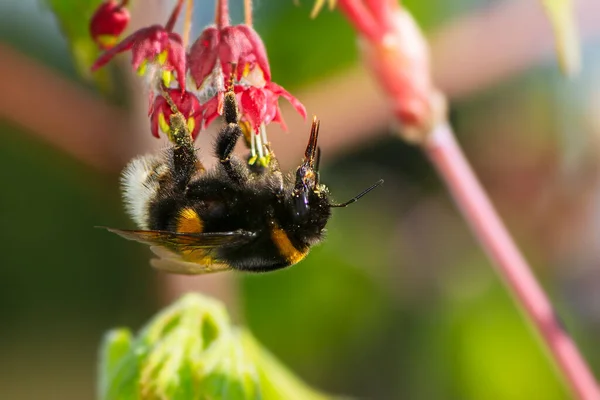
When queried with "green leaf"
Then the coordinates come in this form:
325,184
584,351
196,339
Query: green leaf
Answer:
73,17
276,381
114,348
190,350
560,14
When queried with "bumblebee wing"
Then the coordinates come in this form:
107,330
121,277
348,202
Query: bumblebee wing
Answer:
186,241
175,264
187,253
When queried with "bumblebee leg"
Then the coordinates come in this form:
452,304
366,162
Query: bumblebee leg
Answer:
185,163
227,139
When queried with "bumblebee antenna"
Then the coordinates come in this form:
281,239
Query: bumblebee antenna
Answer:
317,164
318,159
311,148
358,196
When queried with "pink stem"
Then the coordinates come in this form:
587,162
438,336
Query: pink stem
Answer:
174,15
248,12
382,12
359,15
450,162
222,14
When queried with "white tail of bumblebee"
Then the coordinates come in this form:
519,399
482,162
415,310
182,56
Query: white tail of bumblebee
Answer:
140,183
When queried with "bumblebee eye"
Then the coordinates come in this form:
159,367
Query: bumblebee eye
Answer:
301,206
306,179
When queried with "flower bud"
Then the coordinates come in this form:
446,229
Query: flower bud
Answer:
400,62
108,23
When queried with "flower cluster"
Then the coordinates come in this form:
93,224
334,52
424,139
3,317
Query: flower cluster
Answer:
196,78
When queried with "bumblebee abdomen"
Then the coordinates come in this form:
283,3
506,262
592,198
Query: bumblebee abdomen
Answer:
140,185
271,250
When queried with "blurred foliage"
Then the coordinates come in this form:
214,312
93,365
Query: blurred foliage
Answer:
398,303
190,351
321,37
561,16
62,282
73,18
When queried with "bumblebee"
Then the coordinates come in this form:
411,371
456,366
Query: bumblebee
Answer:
234,216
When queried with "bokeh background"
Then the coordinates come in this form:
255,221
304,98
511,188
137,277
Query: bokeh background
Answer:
399,302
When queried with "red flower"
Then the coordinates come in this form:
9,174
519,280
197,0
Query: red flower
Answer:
186,103
108,23
238,44
212,109
154,46
261,105
258,106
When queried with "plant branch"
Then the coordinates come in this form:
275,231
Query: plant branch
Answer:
359,15
248,12
381,13
445,154
187,23
222,14
174,15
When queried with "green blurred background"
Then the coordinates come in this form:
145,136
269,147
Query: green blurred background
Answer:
398,303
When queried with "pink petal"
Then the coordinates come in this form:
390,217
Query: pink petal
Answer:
197,125
203,55
272,108
279,91
152,44
154,124
258,49
122,46
220,102
177,58
254,106
230,49
233,44
210,111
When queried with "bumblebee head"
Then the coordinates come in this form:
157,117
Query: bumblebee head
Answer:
310,200
306,195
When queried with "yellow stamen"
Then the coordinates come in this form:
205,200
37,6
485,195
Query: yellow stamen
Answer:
162,57
142,68
319,5
191,124
252,159
246,130
163,124
167,77
107,41
246,70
